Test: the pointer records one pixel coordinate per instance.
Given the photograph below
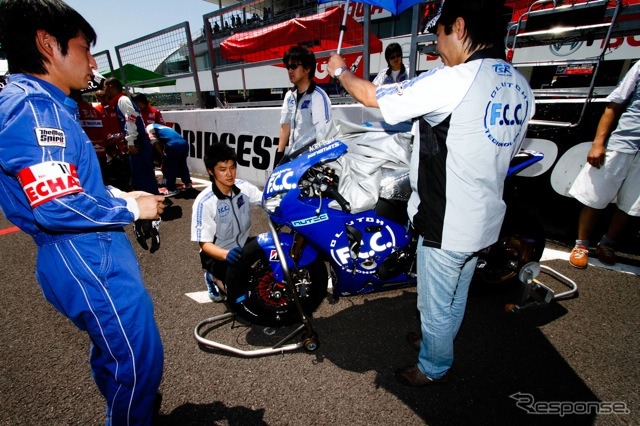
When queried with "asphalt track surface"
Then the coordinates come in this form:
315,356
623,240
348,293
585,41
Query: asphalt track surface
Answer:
577,355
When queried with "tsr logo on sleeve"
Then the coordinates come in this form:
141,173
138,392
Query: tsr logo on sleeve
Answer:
47,136
49,180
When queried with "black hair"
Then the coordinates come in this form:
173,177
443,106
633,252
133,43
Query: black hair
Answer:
302,55
114,82
140,97
216,153
485,20
20,20
390,50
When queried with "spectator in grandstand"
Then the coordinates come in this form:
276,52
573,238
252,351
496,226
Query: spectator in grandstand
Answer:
221,217
612,172
150,115
395,71
86,266
174,151
306,106
460,158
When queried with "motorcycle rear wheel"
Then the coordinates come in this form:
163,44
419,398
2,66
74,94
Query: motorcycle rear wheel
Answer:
521,241
254,294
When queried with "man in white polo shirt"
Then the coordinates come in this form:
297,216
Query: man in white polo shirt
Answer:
471,118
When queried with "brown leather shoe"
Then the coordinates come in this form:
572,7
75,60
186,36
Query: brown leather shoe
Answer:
606,254
414,339
412,376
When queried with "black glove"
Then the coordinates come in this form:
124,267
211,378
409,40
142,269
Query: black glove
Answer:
279,157
145,229
142,231
234,255
155,235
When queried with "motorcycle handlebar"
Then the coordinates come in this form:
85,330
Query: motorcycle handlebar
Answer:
333,192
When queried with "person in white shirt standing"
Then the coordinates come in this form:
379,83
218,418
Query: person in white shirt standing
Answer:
471,118
306,106
395,71
612,172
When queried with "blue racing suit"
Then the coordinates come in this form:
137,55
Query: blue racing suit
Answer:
52,189
176,151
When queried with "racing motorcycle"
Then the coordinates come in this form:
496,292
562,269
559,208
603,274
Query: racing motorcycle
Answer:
321,215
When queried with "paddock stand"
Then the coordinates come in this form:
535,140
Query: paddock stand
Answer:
309,340
535,292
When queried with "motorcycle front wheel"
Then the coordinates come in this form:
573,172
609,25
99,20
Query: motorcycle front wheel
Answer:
256,296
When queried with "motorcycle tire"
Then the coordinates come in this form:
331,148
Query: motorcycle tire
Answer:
521,241
255,296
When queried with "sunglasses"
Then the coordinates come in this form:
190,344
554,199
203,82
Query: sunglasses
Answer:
292,66
395,56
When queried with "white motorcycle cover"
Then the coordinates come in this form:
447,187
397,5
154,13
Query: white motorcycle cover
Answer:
375,165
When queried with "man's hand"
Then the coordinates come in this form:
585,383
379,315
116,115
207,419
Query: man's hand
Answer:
133,149
133,194
151,206
362,90
335,61
596,155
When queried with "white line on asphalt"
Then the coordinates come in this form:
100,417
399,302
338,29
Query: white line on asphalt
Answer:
199,296
551,254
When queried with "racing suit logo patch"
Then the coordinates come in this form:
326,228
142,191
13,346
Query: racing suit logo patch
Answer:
48,136
49,180
91,123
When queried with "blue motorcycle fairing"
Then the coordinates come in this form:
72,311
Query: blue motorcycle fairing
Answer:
325,229
523,160
267,243
286,177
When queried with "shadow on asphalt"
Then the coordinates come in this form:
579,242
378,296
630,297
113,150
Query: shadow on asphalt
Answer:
192,414
504,364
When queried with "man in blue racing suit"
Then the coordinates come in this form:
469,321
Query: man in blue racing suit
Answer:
52,189
174,151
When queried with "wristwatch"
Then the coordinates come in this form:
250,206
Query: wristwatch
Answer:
339,72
